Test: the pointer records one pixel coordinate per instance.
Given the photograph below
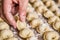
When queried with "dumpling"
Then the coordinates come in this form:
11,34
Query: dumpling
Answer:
29,5
52,35
4,25
45,9
26,33
6,34
35,23
48,14
48,3
43,28
53,8
40,9
57,13
32,16
56,25
29,8
52,3
37,4
52,19
21,25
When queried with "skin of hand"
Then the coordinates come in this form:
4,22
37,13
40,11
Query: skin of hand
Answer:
9,10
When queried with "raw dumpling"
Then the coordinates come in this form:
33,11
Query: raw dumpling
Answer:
48,3
40,9
37,4
57,13
52,35
31,16
29,8
45,9
4,25
21,25
48,14
25,33
52,3
6,34
52,19
53,8
35,23
56,25
43,28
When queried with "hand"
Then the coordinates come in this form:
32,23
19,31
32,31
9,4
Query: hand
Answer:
9,10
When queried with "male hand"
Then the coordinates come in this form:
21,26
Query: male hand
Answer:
9,10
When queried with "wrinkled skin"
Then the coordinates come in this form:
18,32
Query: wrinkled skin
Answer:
11,7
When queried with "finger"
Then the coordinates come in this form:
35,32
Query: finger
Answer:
2,16
7,6
22,9
1,13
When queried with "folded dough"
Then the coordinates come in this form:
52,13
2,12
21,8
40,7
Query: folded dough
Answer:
6,34
4,25
56,25
32,16
48,14
40,9
26,33
21,25
35,23
29,8
52,19
37,4
43,28
51,35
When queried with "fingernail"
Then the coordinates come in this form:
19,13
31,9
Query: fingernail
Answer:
14,25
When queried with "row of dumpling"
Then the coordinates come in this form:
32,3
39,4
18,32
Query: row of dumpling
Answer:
5,32
51,5
52,19
36,23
